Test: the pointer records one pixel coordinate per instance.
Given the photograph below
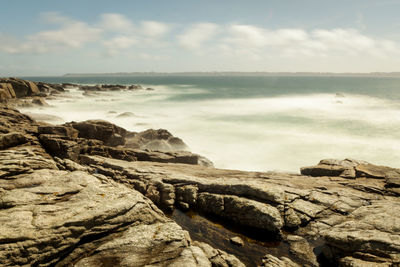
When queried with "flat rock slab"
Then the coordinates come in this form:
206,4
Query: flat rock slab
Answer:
337,209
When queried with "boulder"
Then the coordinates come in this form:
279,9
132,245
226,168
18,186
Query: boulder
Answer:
107,132
64,131
348,168
59,146
12,139
237,241
135,87
21,87
6,92
9,90
156,140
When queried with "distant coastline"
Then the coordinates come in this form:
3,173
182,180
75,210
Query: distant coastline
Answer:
233,73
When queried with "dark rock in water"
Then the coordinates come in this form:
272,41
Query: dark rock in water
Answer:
149,89
125,115
90,87
339,95
39,101
68,85
135,87
90,93
113,87
112,112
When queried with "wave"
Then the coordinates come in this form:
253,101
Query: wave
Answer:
269,133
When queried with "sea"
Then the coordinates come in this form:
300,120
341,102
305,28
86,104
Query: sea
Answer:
256,123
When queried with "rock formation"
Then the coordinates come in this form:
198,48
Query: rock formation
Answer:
94,194
57,212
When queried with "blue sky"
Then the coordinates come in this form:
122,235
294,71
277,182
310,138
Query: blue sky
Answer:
56,37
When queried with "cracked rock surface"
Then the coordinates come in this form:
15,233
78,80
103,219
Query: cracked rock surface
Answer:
56,212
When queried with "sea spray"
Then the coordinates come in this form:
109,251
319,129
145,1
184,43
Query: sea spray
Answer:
253,131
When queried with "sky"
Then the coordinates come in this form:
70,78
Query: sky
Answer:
49,37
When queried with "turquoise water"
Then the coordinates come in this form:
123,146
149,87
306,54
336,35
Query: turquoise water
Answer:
254,123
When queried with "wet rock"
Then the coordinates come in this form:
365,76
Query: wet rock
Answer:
302,250
252,213
211,203
237,241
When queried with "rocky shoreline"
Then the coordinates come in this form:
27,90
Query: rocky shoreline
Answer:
94,194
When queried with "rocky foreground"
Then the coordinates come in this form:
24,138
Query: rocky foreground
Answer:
93,194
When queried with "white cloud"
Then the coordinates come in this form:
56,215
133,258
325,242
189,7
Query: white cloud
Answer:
154,29
233,44
247,39
71,34
119,43
116,23
196,35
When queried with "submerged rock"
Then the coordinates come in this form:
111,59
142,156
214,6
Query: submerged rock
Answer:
237,241
125,115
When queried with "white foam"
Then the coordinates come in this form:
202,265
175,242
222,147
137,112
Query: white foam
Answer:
281,133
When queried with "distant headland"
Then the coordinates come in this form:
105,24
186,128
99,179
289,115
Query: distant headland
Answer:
237,73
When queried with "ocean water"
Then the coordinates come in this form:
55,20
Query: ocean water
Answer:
253,123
